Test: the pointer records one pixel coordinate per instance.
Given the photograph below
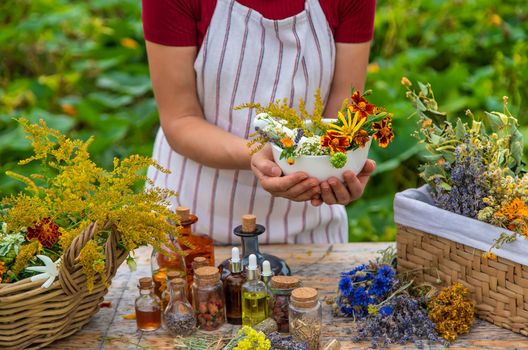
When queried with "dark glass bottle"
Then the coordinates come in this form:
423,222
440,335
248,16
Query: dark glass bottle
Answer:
249,232
233,289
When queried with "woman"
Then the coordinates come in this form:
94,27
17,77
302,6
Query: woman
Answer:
208,56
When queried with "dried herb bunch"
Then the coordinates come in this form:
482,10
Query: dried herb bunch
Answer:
70,192
452,311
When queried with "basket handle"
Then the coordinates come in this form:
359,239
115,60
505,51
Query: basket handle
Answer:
71,277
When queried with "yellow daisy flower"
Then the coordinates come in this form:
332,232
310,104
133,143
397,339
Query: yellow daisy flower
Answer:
350,125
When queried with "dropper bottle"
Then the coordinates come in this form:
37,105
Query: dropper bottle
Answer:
233,289
255,307
267,274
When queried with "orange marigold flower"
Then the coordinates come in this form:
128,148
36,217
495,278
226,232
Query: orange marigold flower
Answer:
383,132
2,270
46,231
489,256
515,215
361,105
287,142
335,141
361,138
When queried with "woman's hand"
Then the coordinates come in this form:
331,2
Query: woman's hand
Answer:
296,187
334,191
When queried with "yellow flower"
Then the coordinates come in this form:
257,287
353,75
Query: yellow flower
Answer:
495,20
129,43
489,256
286,141
25,254
350,125
373,68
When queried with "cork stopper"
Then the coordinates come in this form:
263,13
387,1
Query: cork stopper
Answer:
177,282
207,275
173,274
198,262
285,282
249,223
304,297
183,213
145,282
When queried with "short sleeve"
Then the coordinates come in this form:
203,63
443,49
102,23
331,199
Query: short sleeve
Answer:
170,22
356,21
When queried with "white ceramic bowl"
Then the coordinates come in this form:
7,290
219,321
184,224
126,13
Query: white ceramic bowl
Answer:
319,166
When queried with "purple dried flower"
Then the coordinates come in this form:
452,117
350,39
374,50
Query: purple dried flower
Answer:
300,133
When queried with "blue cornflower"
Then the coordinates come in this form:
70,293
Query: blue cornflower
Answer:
345,286
386,310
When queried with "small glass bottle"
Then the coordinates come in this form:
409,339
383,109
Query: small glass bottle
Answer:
233,289
281,288
249,232
166,292
193,245
147,305
306,316
178,317
163,263
208,298
255,301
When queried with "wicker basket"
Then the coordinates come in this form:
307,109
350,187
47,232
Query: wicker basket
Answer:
498,287
32,317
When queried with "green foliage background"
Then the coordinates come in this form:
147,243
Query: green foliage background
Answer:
81,66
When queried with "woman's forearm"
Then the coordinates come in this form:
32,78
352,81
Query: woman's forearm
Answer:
205,143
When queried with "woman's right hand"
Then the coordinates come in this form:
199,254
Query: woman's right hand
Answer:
297,187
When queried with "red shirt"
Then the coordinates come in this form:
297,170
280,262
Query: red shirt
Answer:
185,22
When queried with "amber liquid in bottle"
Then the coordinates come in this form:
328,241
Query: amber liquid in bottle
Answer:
149,320
147,306
193,244
233,294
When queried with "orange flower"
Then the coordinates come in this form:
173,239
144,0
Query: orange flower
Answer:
361,105
489,256
383,132
2,270
287,142
361,138
515,213
335,141
46,231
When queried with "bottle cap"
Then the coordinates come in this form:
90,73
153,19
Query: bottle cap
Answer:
252,262
266,268
235,255
198,262
173,274
207,274
145,282
183,213
304,297
285,282
249,223
177,282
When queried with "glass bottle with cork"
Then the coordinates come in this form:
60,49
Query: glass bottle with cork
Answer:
178,316
255,301
306,316
164,262
208,298
165,290
193,245
249,232
147,305
281,288
233,289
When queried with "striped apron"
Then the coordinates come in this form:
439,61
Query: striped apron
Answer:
248,58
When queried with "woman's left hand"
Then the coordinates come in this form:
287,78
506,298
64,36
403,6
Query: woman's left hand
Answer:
335,191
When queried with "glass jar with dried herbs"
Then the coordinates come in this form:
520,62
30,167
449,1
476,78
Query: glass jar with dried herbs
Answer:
178,317
208,298
306,316
281,289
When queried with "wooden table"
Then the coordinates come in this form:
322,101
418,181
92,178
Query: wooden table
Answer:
319,266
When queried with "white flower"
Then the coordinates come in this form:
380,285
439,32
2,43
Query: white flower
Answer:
49,272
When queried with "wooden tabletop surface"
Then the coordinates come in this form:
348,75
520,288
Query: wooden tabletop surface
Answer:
319,266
